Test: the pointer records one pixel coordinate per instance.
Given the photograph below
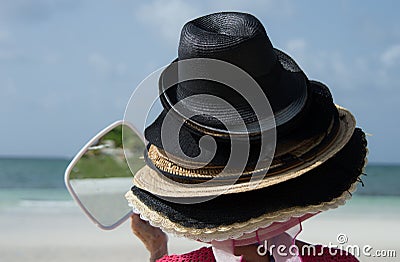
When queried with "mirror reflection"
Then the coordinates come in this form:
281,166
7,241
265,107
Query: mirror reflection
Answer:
99,177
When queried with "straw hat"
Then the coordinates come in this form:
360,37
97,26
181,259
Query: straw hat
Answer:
315,164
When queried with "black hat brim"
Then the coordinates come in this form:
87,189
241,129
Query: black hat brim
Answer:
313,120
292,83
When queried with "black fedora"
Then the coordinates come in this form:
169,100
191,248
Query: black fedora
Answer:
242,41
302,109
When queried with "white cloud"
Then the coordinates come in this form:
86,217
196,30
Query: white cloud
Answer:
104,67
120,69
166,17
8,54
9,87
296,44
4,35
34,10
297,48
99,63
266,7
9,94
331,66
51,58
391,56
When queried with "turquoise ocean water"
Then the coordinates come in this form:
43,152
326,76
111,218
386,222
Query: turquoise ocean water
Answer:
40,183
33,183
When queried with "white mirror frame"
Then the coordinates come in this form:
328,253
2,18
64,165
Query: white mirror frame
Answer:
78,157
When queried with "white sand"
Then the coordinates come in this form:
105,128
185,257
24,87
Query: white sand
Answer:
48,234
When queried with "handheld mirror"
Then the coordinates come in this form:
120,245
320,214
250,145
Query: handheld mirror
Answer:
98,177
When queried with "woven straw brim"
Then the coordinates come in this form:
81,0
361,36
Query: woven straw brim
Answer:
157,184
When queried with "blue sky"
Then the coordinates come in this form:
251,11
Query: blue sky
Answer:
68,68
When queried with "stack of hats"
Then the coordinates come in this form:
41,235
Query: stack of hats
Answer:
310,161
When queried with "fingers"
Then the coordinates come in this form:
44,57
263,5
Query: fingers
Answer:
153,238
137,224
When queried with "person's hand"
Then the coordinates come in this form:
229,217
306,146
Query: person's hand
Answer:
153,238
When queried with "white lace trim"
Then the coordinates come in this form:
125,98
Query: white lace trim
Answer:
235,230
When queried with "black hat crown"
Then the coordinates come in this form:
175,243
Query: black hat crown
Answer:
239,39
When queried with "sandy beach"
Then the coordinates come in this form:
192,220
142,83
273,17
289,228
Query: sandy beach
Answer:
45,234
64,233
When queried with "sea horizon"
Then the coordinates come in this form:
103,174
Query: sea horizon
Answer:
35,181
67,158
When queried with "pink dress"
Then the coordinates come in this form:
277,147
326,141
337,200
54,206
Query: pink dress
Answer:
205,254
